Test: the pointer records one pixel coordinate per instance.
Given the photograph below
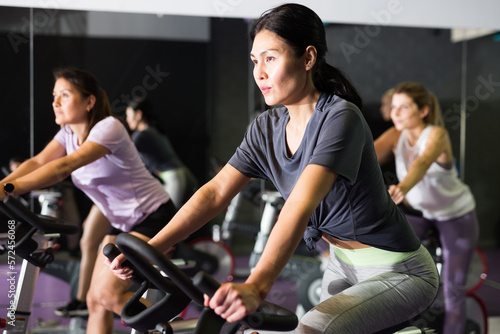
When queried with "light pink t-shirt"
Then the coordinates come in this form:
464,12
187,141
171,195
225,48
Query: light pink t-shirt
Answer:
118,183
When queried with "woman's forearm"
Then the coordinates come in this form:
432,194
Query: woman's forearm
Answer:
190,217
203,206
415,173
41,177
436,145
311,188
26,167
283,240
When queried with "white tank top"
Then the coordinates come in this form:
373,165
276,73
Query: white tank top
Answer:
440,195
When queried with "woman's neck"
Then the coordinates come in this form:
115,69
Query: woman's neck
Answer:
80,130
301,112
414,133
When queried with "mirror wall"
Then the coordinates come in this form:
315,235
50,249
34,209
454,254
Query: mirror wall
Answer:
198,75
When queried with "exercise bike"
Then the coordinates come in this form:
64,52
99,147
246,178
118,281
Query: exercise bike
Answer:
30,237
264,205
154,270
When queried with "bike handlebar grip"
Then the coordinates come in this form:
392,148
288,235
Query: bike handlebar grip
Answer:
45,224
268,317
111,252
206,283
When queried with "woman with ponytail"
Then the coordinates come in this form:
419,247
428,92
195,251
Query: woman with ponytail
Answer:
428,182
96,150
318,151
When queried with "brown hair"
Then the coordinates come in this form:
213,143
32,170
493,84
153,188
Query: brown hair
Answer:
422,98
87,84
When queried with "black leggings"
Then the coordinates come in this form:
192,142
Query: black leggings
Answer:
153,223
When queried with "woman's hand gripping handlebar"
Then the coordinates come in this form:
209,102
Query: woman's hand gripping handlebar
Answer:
142,255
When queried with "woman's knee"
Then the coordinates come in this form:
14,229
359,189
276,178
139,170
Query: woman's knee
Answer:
309,323
318,322
103,296
106,290
89,243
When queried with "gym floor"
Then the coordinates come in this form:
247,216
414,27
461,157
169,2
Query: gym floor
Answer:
52,292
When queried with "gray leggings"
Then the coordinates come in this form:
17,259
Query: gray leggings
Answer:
366,299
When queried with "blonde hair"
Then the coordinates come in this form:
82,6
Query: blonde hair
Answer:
422,98
389,92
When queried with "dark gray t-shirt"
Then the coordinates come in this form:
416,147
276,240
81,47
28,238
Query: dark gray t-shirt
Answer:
155,150
358,207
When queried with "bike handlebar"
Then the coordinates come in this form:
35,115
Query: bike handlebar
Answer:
27,224
268,317
42,223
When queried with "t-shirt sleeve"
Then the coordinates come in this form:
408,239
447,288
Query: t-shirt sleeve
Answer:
60,136
249,157
109,133
340,144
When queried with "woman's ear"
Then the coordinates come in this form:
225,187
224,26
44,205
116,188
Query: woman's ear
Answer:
424,112
311,56
138,115
91,102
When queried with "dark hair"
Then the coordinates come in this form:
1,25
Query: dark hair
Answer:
144,105
301,27
87,84
422,97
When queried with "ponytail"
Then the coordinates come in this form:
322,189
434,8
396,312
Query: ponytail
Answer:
101,110
435,116
329,79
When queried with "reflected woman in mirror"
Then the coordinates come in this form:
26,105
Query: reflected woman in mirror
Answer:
95,149
429,183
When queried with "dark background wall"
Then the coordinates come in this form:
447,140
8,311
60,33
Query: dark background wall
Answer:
173,75
205,100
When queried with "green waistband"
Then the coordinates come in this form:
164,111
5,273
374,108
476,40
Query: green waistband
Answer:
370,256
167,173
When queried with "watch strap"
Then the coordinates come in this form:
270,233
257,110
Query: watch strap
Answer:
8,188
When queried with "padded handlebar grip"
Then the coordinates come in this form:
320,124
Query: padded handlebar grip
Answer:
206,283
111,252
45,224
